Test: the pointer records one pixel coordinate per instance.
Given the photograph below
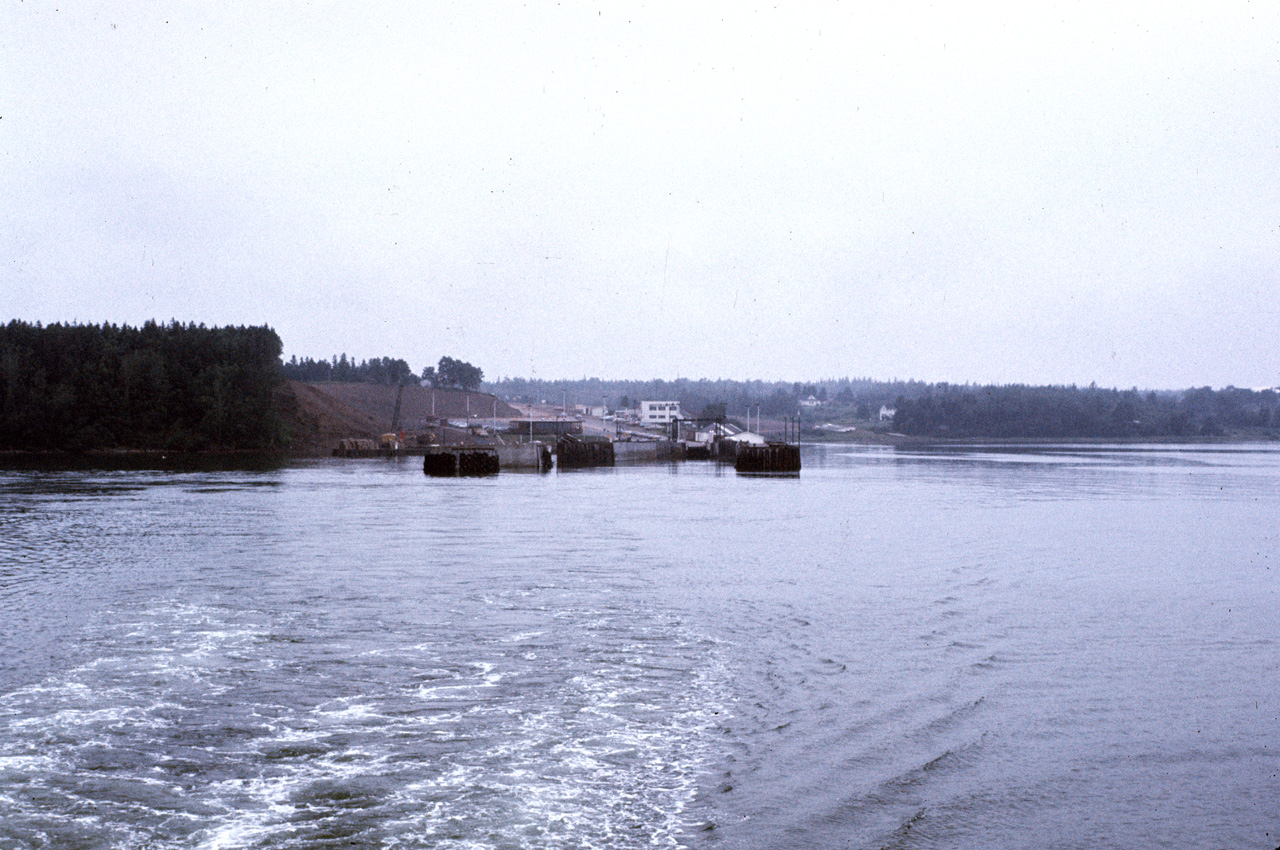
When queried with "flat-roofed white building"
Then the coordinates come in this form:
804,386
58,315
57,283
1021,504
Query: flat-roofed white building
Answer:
659,412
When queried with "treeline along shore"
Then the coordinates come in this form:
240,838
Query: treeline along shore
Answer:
191,388
188,388
916,410
1024,412
177,387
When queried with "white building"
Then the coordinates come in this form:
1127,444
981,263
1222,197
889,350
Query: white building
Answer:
887,412
659,412
716,430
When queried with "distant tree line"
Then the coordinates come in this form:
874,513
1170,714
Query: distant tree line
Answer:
447,374
379,370
164,386
936,410
1056,412
843,397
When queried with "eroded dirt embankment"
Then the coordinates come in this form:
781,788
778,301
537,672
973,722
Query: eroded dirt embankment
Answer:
321,414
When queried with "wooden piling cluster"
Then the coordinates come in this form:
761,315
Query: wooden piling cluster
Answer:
774,457
456,461
574,451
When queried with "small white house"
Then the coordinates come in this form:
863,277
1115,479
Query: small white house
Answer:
811,401
887,412
659,412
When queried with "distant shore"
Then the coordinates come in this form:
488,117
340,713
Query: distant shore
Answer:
894,439
214,460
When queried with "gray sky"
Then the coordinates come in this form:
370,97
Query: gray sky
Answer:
997,194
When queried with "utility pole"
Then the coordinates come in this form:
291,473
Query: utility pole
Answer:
395,415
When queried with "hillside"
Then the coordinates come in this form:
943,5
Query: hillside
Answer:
321,414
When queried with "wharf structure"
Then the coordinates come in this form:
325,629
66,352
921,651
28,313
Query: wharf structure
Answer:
771,457
463,448
470,460
774,457
455,461
576,450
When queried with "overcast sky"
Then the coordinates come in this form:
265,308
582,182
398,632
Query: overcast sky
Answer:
712,190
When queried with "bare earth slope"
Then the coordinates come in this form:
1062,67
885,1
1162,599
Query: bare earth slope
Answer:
318,420
378,403
322,414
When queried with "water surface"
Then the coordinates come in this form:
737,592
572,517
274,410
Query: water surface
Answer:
1060,646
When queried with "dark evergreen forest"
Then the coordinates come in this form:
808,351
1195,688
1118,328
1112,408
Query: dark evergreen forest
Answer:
379,370
448,374
161,386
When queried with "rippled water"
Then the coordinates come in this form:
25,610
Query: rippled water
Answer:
1061,647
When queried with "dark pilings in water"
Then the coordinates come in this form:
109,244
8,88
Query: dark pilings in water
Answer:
449,462
572,451
774,457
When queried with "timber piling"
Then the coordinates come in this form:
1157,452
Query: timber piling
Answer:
575,451
459,461
774,457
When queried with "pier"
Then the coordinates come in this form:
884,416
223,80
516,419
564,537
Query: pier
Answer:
464,448
577,451
773,457
460,461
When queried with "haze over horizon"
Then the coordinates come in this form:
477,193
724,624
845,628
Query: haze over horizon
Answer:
997,194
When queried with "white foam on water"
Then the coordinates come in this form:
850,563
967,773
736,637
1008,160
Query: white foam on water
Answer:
606,758
356,712
101,737
256,810
520,755
521,637
429,692
26,763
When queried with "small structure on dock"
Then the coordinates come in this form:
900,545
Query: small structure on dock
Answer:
457,461
543,429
